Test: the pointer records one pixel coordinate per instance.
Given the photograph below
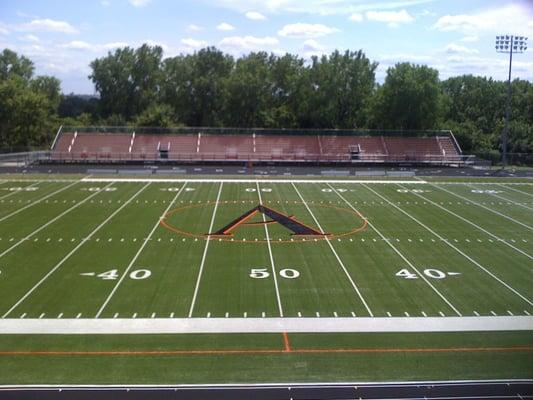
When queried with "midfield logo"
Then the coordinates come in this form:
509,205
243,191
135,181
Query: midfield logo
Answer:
298,228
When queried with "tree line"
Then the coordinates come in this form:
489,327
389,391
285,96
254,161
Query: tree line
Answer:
211,88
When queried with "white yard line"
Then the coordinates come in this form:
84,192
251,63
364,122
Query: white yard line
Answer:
401,255
487,208
134,259
274,272
74,250
505,199
475,225
37,201
200,272
515,190
335,254
11,193
263,325
68,210
452,246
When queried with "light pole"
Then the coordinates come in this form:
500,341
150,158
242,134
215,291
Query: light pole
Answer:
509,44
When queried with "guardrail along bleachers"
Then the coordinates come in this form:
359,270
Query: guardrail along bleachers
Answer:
104,145
413,148
255,145
285,147
226,146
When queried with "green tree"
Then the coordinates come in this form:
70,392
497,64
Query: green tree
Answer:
128,80
156,115
410,98
11,64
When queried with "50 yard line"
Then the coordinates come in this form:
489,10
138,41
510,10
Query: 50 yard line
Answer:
134,259
202,263
335,254
274,272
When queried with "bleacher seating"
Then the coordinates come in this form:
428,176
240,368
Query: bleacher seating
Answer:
253,147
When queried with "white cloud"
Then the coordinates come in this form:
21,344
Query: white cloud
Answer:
356,17
255,16
248,42
47,25
194,28
105,3
392,18
96,48
224,26
470,39
303,30
317,7
453,48
494,20
29,38
3,29
312,48
140,3
194,43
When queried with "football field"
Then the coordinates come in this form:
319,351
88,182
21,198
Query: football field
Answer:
215,256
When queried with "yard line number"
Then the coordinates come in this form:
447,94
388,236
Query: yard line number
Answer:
18,188
261,273
412,191
112,274
429,272
487,191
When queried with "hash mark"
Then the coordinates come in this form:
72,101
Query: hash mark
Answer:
441,313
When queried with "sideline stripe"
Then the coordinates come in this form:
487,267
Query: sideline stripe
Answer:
487,208
237,180
83,241
52,220
401,255
37,201
274,272
145,353
335,254
451,245
515,190
278,325
499,239
143,245
207,241
17,191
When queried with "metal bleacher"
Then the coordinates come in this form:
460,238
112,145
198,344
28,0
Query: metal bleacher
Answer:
119,144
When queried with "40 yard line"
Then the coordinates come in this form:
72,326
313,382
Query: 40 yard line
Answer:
205,252
5,196
400,254
451,245
274,273
134,259
335,254
74,250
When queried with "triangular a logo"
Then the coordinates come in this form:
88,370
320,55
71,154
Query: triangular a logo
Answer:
298,228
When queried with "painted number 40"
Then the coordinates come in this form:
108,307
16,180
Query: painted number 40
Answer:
261,273
430,273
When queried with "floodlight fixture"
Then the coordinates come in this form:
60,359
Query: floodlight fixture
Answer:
509,44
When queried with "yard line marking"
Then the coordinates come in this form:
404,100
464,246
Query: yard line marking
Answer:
41,316
202,262
402,256
11,193
475,225
451,245
424,314
81,243
476,313
525,312
441,313
51,221
506,199
515,190
134,259
482,206
274,272
39,201
334,252
79,315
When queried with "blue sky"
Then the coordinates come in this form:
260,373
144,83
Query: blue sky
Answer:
454,36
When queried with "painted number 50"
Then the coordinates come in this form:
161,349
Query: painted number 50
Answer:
261,273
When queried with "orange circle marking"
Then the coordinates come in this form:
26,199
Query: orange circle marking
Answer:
175,229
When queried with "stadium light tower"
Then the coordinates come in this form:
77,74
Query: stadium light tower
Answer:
509,44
